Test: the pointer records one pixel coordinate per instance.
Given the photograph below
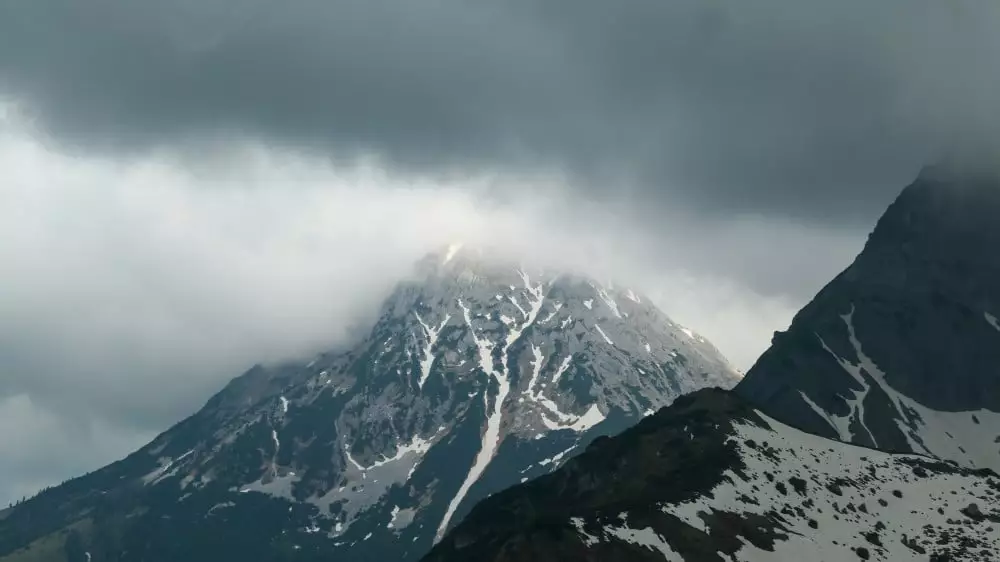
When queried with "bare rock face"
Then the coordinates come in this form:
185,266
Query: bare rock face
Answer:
475,377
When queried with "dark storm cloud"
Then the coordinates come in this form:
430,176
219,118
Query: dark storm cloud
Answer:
811,108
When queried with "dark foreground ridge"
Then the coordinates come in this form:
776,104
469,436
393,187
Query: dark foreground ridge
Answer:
709,479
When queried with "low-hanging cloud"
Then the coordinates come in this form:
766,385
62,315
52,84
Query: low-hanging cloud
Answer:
134,290
813,109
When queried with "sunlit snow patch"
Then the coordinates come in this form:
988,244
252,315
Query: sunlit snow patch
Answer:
452,250
992,320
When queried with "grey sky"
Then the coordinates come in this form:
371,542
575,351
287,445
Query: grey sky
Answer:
810,108
181,192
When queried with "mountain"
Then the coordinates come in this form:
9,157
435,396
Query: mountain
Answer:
870,430
476,376
901,351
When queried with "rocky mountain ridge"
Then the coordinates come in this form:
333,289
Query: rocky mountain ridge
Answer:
901,351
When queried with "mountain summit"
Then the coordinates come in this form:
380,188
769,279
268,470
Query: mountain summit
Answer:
476,376
901,351
811,457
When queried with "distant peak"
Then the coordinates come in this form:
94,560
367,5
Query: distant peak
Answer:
453,249
962,171
454,252
947,207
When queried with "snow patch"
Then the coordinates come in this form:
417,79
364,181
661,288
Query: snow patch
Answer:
566,322
562,369
417,447
432,336
366,485
556,459
552,314
164,471
992,320
588,539
536,368
592,417
452,250
603,335
645,537
610,302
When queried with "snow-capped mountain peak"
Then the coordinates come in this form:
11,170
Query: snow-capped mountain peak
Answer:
477,374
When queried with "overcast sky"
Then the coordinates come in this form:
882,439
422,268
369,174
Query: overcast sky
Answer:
191,186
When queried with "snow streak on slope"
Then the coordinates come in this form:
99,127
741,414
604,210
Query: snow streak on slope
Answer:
432,335
165,469
562,369
833,502
968,437
491,438
610,302
592,417
992,320
855,402
603,335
